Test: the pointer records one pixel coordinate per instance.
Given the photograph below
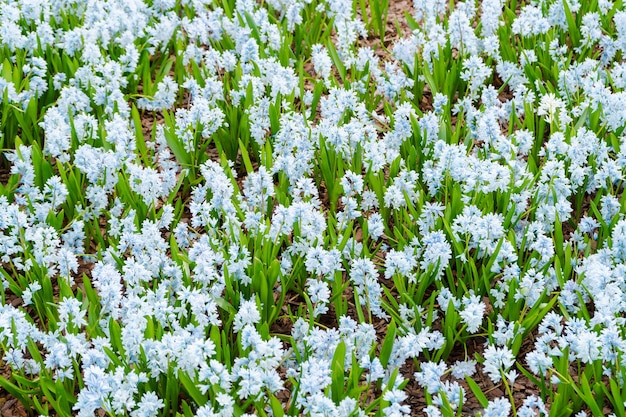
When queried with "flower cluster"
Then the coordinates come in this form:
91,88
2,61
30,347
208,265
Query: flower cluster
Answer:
229,207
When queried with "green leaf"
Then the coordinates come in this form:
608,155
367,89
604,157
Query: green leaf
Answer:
387,347
191,388
572,26
430,80
245,157
173,142
338,374
617,399
116,337
585,393
276,405
478,393
536,314
172,390
558,237
20,394
334,56
139,139
7,70
187,411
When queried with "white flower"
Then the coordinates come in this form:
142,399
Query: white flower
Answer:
247,314
149,406
497,361
551,107
430,376
321,61
472,314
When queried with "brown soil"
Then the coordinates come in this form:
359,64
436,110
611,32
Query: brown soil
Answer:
5,174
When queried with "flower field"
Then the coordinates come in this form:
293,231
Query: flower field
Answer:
312,207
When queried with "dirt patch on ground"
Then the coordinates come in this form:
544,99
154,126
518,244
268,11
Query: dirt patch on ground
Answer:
396,28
